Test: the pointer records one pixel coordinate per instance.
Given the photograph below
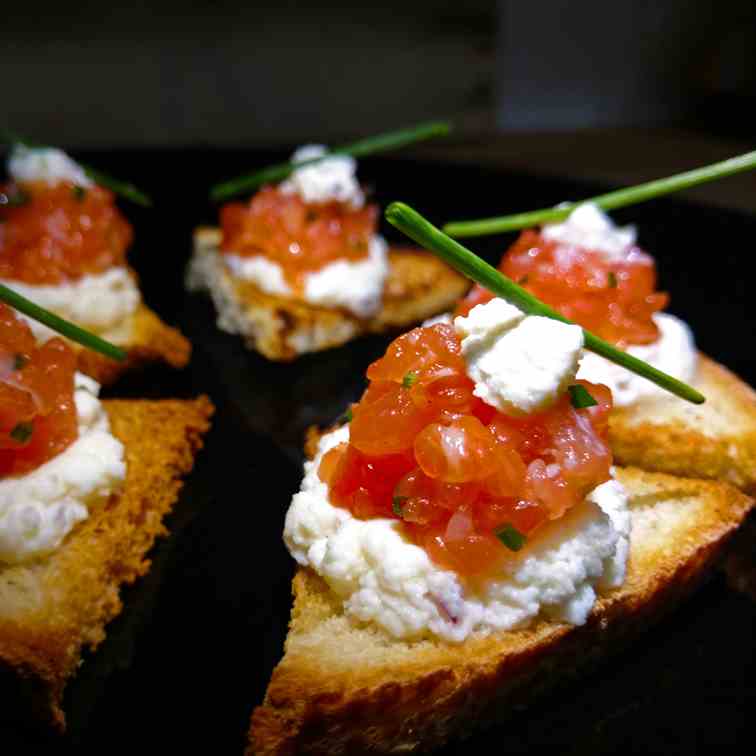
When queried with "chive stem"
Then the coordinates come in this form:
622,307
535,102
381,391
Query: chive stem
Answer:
610,201
469,264
370,146
64,327
121,188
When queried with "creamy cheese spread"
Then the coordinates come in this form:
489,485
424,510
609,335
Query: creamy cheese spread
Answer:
674,352
48,164
101,302
39,509
519,363
333,179
385,579
589,227
354,286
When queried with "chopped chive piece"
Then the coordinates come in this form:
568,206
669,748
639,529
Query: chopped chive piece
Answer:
510,536
20,361
63,327
22,432
389,141
409,380
345,417
460,258
397,504
581,397
611,279
79,192
610,201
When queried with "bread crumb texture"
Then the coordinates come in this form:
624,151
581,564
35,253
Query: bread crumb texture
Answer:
52,608
418,286
151,340
714,440
343,688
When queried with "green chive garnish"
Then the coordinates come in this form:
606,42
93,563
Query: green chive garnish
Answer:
611,279
370,146
121,188
620,198
345,417
510,536
469,264
581,397
22,432
63,327
19,361
409,380
396,505
79,192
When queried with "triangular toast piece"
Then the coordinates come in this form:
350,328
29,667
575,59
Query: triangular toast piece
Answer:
149,340
715,440
52,608
419,286
341,688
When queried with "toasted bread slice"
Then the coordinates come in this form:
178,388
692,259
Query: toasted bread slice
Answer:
344,688
52,608
419,285
148,340
714,440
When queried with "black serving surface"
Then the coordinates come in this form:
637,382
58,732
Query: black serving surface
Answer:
190,656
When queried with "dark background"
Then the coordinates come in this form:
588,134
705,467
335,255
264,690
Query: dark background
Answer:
552,100
222,72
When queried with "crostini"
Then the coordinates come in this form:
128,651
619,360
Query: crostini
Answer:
84,487
63,245
593,273
465,541
300,267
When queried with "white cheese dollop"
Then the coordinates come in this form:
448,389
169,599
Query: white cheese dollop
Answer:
384,578
101,302
331,179
259,270
48,164
39,509
520,364
674,352
354,286
589,227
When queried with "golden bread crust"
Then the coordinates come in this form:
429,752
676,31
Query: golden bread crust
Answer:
419,286
151,341
69,597
716,440
343,688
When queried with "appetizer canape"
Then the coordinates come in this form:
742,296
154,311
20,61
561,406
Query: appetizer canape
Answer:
593,272
84,487
300,267
63,245
465,541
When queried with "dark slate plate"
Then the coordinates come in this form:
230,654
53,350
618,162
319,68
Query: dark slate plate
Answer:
190,656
